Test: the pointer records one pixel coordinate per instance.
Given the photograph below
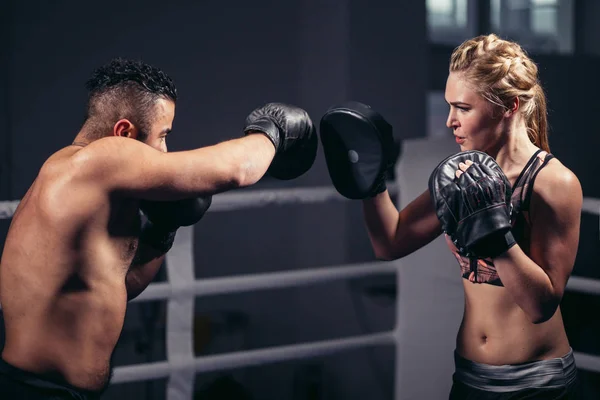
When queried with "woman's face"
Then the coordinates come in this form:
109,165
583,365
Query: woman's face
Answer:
476,123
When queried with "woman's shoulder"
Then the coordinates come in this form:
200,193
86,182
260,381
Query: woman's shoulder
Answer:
557,185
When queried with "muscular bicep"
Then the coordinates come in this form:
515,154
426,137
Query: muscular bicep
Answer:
555,223
418,225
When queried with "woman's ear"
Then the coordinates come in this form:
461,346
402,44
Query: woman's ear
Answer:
513,108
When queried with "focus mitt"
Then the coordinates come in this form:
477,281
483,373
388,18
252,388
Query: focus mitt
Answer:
359,149
474,209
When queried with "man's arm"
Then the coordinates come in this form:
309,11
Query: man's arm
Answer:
280,138
143,269
128,166
537,282
396,234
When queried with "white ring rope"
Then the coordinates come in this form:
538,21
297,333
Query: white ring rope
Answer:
264,281
262,198
587,362
242,199
583,285
134,373
247,198
591,205
8,208
181,369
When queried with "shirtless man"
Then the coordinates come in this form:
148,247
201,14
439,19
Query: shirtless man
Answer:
77,249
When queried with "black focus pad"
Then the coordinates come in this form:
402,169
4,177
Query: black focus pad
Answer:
359,148
474,206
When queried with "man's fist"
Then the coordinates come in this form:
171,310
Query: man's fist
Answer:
293,134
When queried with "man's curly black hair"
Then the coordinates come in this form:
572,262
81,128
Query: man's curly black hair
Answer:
126,89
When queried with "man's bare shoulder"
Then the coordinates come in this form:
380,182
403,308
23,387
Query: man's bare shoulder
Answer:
91,163
105,151
71,181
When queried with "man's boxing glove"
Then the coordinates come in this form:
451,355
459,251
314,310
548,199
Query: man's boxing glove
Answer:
474,209
359,149
165,217
293,134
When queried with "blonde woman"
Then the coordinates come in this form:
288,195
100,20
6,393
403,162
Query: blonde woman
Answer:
511,342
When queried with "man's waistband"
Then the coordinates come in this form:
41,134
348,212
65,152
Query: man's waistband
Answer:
42,383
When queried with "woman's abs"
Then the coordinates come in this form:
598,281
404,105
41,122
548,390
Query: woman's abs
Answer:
496,331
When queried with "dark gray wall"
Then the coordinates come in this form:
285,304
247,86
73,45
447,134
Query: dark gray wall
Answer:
227,58
588,31
5,128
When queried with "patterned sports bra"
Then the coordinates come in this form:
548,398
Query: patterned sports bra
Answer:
483,270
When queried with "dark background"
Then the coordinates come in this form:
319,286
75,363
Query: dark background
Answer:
227,59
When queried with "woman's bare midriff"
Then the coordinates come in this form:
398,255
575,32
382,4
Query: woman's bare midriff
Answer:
496,331
72,335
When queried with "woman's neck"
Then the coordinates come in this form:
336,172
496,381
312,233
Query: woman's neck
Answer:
515,150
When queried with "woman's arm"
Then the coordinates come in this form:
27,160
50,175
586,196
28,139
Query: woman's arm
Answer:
396,234
537,281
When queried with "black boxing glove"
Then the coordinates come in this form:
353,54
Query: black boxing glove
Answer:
293,134
165,217
474,209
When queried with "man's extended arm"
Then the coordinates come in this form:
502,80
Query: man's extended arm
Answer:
276,135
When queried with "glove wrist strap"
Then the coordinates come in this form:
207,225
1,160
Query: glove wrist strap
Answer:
267,128
494,245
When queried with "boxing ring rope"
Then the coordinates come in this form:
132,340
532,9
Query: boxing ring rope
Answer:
266,281
181,288
135,373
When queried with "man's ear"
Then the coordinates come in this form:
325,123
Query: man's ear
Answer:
125,128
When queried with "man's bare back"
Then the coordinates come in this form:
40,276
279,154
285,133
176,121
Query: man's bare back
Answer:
62,281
